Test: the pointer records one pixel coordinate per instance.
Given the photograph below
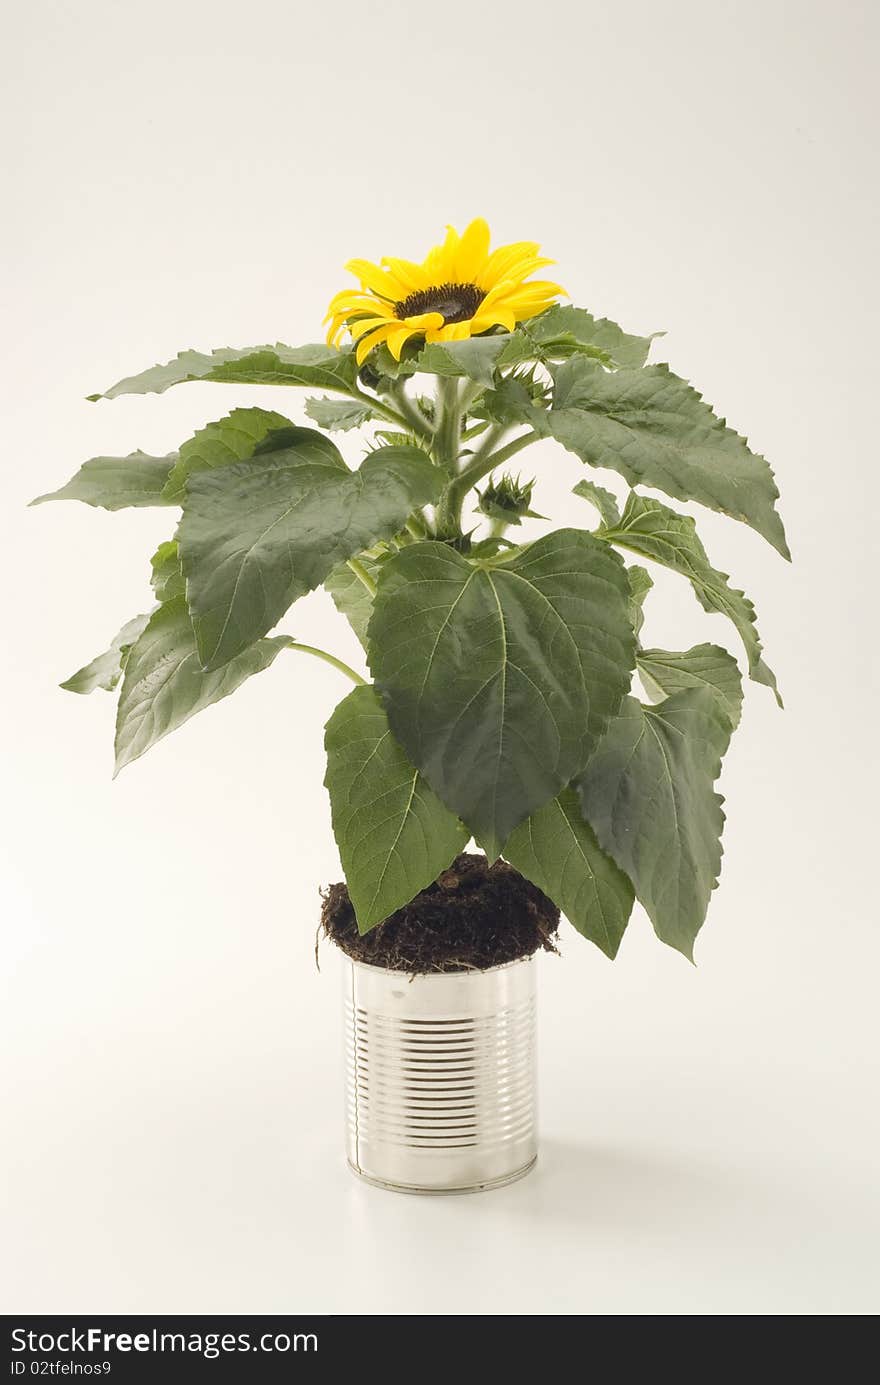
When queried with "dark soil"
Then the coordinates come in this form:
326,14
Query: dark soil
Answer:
473,917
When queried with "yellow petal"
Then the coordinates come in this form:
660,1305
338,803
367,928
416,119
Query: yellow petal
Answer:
411,277
366,344
439,265
511,262
498,316
366,324
396,338
352,302
376,279
542,287
423,322
497,292
472,252
531,310
342,322
454,331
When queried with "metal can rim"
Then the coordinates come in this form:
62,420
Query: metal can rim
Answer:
439,975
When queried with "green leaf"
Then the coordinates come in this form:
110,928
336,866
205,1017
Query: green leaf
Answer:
475,358
653,428
647,793
381,362
664,672
351,597
117,483
257,535
338,415
394,835
512,402
601,499
566,331
640,584
557,850
652,530
163,685
105,671
231,439
321,367
500,679
166,577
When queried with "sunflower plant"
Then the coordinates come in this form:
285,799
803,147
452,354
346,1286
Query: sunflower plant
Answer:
502,704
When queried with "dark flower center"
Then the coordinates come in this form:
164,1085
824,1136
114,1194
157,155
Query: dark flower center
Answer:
457,302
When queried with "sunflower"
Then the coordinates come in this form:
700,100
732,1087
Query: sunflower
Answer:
459,290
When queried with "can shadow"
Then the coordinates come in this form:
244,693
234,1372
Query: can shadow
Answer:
597,1185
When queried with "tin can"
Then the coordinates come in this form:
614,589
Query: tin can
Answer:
440,1077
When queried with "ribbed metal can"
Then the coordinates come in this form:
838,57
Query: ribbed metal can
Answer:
440,1077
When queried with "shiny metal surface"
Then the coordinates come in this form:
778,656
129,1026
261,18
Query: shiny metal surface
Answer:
440,1077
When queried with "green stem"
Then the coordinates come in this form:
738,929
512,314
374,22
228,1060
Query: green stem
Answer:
410,412
475,430
328,659
470,394
361,573
482,463
377,406
447,438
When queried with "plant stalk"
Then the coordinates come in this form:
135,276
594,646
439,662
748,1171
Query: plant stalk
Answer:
410,411
328,659
447,439
481,463
363,576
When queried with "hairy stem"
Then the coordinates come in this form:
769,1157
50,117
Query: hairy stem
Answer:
470,394
410,411
483,461
447,438
378,406
497,528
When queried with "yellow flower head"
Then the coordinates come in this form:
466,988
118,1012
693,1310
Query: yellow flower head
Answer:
458,291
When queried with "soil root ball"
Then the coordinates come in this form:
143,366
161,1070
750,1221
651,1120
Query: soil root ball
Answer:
474,916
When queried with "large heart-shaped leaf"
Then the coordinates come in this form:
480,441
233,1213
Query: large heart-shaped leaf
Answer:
651,529
231,439
322,367
557,850
652,427
665,671
257,535
394,835
163,684
117,483
647,793
499,679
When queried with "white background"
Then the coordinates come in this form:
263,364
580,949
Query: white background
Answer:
195,174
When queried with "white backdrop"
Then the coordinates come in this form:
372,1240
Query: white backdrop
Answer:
195,174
